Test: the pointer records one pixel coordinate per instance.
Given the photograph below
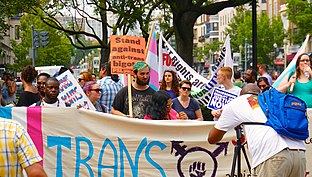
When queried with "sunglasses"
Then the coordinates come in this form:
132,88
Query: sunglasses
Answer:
262,86
79,79
40,83
96,90
186,88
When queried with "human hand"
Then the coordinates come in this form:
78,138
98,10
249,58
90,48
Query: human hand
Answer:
182,116
197,169
216,113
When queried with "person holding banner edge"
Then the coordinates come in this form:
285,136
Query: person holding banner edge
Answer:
299,83
141,93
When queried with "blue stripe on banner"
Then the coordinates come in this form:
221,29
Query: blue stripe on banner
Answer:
6,112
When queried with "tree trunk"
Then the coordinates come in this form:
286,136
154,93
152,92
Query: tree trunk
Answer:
183,26
104,50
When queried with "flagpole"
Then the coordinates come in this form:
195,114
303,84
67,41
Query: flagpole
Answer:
149,39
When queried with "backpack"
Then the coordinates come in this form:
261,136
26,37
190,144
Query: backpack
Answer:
286,113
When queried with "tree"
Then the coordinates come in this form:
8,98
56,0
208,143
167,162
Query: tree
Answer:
207,50
57,52
11,8
129,14
300,13
268,33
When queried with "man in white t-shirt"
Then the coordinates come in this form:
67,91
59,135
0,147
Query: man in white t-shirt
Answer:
271,153
224,77
51,93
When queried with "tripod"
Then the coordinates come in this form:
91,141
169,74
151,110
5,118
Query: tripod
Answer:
237,153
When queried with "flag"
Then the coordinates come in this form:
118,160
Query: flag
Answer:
292,65
152,59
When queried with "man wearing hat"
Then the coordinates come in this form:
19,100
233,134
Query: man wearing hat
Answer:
141,93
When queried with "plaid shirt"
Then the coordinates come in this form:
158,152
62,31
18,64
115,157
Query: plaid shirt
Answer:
17,150
109,91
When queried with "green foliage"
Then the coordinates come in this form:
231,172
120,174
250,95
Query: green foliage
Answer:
300,13
207,50
57,52
268,33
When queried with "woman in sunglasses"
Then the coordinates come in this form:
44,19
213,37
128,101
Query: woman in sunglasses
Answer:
299,83
93,92
185,104
170,83
263,84
83,78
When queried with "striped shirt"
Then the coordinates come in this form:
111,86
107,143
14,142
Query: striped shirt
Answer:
17,150
109,91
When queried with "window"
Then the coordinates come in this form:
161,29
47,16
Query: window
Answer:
17,35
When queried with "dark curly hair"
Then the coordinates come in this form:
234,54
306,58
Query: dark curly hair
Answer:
156,109
29,74
175,83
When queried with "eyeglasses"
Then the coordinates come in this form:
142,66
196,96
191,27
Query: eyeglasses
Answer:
79,79
186,88
96,90
169,106
40,83
262,86
303,61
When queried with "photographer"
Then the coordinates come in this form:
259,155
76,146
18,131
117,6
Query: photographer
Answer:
271,153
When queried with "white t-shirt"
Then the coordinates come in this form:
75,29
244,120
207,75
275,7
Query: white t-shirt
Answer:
235,90
59,103
263,141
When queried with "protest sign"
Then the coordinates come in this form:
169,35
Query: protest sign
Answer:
71,92
125,51
87,143
219,98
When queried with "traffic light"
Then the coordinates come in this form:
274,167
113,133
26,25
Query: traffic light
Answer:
249,52
36,39
44,38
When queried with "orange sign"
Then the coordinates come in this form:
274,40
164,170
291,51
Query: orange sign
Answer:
125,51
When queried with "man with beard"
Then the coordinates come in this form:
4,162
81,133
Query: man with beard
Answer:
51,93
140,91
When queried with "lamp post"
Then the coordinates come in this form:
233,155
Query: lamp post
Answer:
246,46
240,55
285,41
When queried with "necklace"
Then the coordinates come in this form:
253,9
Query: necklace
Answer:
58,103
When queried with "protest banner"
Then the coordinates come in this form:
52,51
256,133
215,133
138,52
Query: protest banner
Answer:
219,98
170,59
87,143
125,51
203,96
71,92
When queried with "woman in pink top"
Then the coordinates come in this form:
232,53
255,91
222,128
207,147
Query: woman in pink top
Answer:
160,107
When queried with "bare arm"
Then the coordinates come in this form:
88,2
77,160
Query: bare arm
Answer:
35,170
215,136
118,113
285,83
199,115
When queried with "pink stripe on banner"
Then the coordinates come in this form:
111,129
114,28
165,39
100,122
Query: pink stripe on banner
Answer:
153,46
34,128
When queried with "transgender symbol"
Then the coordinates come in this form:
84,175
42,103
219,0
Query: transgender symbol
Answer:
197,168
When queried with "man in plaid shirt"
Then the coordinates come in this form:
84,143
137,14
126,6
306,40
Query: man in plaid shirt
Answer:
110,85
17,151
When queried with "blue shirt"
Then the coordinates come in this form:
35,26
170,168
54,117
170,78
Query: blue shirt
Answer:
189,110
109,91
